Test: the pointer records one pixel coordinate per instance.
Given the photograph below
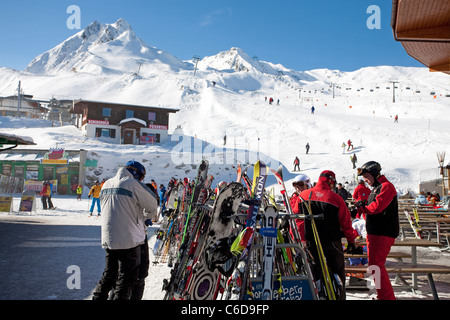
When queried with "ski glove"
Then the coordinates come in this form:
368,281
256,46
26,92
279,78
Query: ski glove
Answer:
360,203
353,212
351,249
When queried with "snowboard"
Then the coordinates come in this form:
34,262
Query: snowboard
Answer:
215,258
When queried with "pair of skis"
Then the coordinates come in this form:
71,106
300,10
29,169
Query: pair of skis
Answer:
187,242
414,223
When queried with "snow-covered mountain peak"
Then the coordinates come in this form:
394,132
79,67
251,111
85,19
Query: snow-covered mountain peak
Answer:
102,49
234,59
102,33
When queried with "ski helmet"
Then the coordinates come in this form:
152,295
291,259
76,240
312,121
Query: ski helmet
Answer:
302,178
136,169
371,167
328,176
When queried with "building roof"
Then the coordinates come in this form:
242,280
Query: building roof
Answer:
79,102
10,139
128,120
423,28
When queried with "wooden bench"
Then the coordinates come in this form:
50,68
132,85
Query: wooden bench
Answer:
394,255
446,235
430,222
427,269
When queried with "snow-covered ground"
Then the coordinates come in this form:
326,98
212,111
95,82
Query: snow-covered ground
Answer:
45,276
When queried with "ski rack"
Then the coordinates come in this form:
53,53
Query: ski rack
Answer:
294,287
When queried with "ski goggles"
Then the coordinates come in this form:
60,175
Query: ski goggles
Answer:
300,183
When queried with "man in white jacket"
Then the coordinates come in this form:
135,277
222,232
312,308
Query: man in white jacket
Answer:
126,203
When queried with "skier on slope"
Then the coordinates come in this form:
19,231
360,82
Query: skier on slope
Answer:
124,199
336,220
354,159
382,223
350,145
296,164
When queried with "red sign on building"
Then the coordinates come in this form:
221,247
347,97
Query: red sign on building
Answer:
147,140
158,127
99,122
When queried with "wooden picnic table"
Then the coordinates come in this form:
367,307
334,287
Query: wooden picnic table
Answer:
432,213
438,222
413,243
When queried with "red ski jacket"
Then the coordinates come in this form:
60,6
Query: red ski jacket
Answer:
382,210
295,202
361,193
337,218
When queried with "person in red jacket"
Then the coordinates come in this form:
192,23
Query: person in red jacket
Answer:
361,194
301,182
382,224
336,220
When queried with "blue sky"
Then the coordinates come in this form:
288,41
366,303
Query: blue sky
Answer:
299,34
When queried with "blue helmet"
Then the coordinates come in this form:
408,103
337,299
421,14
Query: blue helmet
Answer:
136,169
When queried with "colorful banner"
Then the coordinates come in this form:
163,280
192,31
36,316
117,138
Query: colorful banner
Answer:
36,186
56,156
26,203
6,203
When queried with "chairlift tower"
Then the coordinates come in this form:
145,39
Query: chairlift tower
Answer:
394,82
196,59
139,68
19,98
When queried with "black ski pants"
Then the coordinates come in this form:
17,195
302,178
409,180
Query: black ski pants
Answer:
334,254
138,289
120,274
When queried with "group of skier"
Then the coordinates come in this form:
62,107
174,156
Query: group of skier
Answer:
271,100
379,209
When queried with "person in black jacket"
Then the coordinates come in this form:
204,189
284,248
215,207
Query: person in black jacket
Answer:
342,192
382,223
335,223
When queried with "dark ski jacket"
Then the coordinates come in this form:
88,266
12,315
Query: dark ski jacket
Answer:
382,210
337,218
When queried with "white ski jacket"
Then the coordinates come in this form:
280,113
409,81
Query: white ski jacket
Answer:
126,203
